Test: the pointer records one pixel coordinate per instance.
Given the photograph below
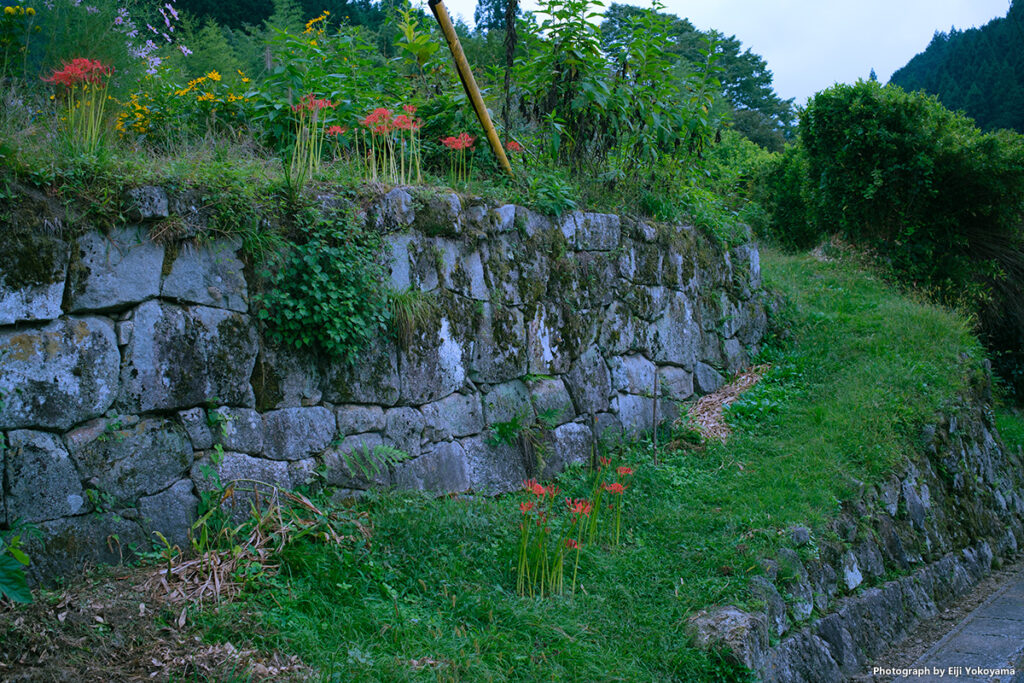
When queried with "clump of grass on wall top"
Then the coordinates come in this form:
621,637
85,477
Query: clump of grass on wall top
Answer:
324,292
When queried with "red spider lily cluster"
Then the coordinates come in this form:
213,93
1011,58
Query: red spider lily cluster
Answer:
389,145
513,146
309,103
80,70
546,538
309,138
456,144
459,144
85,100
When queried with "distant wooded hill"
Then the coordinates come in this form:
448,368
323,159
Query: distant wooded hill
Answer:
979,71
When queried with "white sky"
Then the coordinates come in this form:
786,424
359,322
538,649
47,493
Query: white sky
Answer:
811,44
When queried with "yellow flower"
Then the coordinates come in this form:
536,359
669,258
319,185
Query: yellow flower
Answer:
213,76
30,11
10,11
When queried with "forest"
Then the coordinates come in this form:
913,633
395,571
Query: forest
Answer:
979,71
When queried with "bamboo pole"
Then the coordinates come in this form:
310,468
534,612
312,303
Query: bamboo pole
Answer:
468,82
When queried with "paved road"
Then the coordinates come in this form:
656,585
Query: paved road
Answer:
986,647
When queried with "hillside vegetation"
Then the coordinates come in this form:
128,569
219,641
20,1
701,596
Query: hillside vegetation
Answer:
979,71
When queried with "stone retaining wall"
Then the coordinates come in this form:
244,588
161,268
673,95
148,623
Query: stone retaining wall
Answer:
939,526
125,362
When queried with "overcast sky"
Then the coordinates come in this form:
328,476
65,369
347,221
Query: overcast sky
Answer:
811,44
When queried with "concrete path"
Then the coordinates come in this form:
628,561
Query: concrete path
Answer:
986,647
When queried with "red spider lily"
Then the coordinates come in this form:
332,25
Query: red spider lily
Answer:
409,109
578,506
604,462
624,471
378,115
403,122
463,141
614,488
383,129
533,487
309,102
526,507
571,543
80,70
553,491
513,146
336,130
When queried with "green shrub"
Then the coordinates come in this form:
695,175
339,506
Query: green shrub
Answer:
920,185
325,292
781,188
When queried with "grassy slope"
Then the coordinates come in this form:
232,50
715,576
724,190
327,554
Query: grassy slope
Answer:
846,397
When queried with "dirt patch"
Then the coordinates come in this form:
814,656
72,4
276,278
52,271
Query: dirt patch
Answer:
913,647
707,414
109,627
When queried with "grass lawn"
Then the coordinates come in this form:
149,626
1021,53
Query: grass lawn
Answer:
858,372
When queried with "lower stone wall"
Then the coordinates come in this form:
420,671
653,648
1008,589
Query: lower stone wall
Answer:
131,368
940,526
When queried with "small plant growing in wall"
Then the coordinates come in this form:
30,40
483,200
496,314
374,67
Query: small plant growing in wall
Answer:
325,293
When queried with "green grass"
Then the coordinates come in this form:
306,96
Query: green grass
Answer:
862,370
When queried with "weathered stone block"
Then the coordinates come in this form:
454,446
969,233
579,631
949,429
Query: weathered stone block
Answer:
395,210
356,419
708,379
398,265
133,461
499,351
43,481
58,375
210,275
171,512
597,232
374,379
508,401
675,335
404,430
501,257
746,635
197,427
568,444
462,271
531,223
297,433
236,466
453,416
33,269
636,413
493,469
285,378
70,544
607,429
434,365
441,469
181,357
238,429
589,383
551,402
548,352
356,464
632,374
115,270
147,202
675,383
735,356
622,332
